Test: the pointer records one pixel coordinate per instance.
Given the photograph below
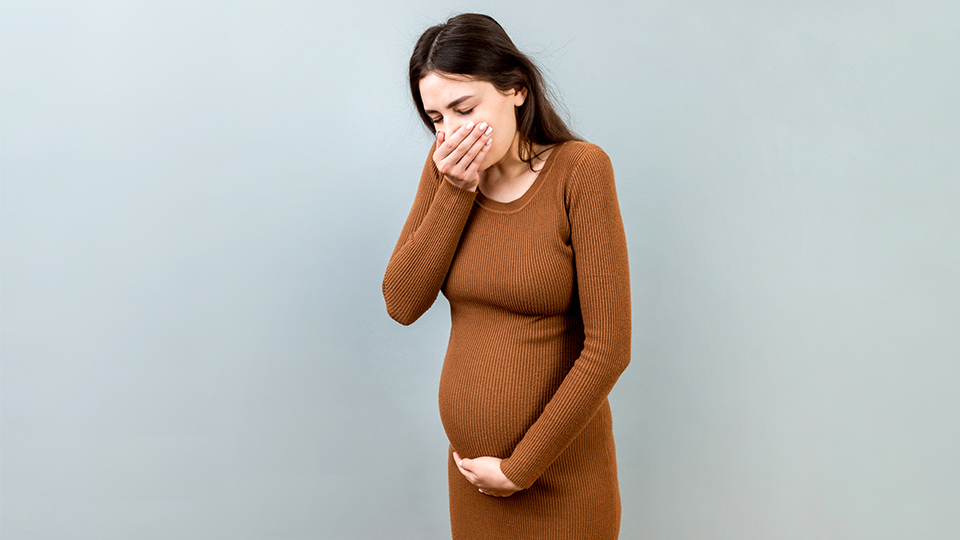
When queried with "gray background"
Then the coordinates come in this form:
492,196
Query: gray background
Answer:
199,200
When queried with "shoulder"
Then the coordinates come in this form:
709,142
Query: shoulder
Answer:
584,166
578,153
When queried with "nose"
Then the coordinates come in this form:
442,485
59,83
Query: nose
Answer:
453,128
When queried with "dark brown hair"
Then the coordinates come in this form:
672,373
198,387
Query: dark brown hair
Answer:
476,46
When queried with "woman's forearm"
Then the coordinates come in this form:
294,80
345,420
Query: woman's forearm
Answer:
422,257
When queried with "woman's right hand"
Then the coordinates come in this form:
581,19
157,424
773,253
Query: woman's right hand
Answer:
458,158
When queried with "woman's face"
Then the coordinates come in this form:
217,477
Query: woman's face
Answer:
453,100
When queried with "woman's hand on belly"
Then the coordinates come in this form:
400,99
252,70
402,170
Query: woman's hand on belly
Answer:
484,472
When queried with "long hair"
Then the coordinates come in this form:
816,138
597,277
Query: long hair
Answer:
476,46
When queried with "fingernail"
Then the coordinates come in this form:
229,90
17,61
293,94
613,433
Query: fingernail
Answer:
488,142
469,126
483,126
488,131
460,463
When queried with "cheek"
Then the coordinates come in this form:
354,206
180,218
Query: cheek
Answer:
498,148
502,138
499,136
504,131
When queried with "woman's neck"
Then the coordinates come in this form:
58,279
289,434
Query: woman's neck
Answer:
510,167
509,178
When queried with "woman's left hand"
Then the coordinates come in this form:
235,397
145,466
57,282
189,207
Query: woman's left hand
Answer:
484,472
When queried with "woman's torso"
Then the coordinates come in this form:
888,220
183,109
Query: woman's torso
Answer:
516,325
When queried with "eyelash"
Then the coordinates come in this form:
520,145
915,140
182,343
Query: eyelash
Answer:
463,113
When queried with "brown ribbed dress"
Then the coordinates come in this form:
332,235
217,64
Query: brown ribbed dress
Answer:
539,297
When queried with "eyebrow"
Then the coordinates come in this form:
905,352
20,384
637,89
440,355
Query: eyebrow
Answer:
452,104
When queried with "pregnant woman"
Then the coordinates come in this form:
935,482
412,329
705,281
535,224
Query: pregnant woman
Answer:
516,221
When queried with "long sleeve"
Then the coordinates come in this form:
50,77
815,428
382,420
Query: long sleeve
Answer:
428,241
603,281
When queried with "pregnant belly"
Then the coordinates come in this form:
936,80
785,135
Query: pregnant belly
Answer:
489,397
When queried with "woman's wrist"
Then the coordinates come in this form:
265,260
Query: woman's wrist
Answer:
471,188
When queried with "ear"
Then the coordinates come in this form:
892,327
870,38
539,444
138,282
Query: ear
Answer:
519,96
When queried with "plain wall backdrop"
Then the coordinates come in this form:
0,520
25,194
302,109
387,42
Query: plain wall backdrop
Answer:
199,200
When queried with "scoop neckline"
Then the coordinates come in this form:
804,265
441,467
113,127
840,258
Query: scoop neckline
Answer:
522,200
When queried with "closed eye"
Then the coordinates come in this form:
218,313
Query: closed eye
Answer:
461,113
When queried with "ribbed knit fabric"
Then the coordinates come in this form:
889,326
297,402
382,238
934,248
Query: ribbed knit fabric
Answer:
540,308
